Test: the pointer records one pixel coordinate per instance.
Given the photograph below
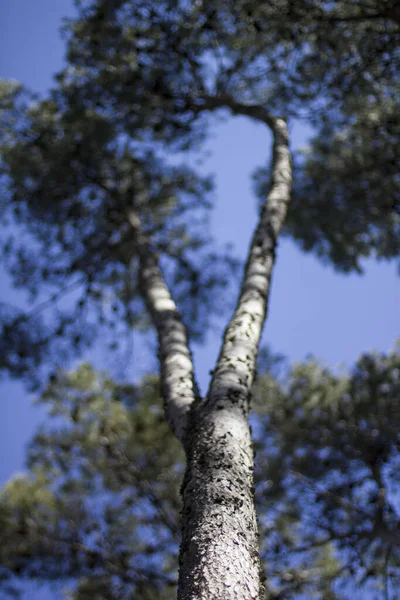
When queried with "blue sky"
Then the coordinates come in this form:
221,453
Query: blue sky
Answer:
313,310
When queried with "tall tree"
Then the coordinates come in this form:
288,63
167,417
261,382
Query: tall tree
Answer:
86,174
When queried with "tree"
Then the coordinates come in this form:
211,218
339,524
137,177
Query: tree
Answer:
99,505
87,177
332,474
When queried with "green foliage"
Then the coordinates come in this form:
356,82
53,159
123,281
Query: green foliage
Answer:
331,470
350,177
100,503
308,57
69,179
334,64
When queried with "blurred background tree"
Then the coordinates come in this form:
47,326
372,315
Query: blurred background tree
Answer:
97,512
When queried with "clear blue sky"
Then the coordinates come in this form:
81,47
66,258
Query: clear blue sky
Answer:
312,309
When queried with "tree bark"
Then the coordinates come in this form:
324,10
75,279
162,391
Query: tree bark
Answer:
179,387
219,556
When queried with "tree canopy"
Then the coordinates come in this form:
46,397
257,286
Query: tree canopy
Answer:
140,84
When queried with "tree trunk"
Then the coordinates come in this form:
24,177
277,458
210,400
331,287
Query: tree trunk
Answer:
219,551
219,556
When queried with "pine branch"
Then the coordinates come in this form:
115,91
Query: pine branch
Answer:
254,111
236,364
178,382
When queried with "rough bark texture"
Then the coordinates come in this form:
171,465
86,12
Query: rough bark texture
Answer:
219,551
219,554
177,375
235,368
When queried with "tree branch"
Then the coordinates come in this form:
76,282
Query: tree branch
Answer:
255,111
67,289
338,500
235,368
178,382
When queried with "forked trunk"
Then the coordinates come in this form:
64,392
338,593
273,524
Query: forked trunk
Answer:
219,557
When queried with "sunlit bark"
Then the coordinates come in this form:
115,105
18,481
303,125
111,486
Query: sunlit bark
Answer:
177,374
